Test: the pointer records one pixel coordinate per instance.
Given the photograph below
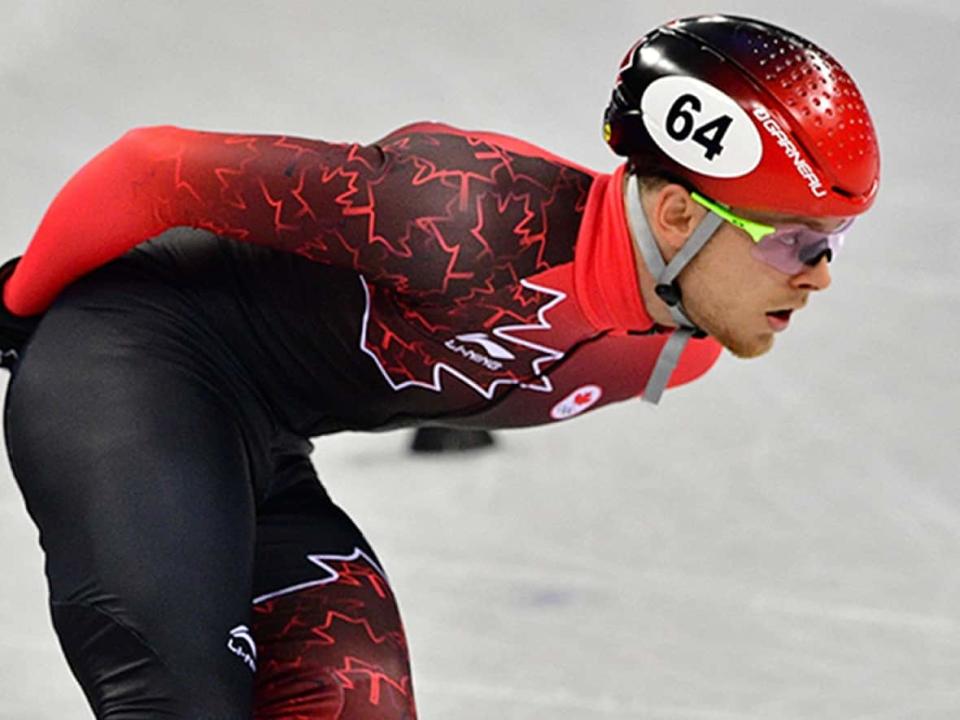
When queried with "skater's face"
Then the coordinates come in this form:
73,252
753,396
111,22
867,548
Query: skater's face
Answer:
728,290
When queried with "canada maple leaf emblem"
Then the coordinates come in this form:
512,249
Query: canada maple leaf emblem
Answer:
583,398
407,360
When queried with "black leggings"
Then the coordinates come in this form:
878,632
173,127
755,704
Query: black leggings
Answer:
197,568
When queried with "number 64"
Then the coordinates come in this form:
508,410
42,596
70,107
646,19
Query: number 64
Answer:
681,124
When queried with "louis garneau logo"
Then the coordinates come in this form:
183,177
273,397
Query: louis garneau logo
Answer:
242,644
493,353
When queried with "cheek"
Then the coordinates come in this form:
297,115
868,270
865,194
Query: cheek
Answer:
727,285
723,270
727,253
729,260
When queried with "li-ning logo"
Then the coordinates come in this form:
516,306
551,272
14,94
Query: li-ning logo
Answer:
491,348
791,150
241,644
528,358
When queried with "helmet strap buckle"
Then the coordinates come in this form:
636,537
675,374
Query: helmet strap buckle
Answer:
670,294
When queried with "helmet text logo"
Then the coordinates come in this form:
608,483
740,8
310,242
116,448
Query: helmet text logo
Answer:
791,150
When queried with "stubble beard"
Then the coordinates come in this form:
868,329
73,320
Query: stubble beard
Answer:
740,344
747,349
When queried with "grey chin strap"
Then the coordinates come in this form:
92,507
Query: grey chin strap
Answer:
666,278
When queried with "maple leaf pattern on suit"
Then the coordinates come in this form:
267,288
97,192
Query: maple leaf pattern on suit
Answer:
333,650
442,227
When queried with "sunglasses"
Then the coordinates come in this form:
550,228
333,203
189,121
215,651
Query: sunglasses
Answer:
788,248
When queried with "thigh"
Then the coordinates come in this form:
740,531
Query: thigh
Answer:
137,475
330,642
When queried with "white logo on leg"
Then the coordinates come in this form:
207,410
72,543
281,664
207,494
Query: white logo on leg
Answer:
242,644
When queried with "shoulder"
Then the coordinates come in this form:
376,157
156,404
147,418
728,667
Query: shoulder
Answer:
431,138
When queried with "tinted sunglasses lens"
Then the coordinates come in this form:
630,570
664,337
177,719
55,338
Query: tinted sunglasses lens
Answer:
791,249
781,251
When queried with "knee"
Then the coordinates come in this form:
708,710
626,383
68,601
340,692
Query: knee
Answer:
337,648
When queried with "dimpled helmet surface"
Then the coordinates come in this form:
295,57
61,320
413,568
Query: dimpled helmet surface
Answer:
747,113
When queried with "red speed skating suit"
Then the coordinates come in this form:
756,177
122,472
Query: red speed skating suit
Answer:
160,414
499,281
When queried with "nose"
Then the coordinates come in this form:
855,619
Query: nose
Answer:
815,277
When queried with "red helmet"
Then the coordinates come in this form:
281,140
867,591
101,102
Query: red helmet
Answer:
748,114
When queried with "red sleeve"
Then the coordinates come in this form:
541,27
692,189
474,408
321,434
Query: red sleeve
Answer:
289,193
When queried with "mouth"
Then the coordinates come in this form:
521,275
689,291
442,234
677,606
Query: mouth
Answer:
779,320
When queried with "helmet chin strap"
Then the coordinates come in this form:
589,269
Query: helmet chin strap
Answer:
667,287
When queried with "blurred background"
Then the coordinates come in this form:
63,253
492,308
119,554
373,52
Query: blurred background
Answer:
778,540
